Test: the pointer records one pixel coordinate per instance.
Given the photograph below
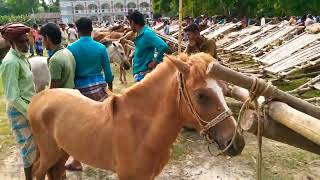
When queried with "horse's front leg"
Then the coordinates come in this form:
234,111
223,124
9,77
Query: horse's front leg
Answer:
125,76
121,74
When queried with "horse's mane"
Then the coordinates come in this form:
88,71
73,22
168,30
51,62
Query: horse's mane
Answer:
198,62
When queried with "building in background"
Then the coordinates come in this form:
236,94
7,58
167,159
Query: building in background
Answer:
47,17
102,10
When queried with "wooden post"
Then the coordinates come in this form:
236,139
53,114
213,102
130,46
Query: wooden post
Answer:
299,122
180,27
217,71
276,131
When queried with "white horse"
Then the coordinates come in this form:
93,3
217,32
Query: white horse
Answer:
41,72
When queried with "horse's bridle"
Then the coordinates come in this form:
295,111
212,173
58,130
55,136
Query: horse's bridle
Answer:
205,125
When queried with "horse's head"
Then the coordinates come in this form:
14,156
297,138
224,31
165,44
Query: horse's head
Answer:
117,54
203,105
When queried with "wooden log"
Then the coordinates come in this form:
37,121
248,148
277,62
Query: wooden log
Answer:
217,71
301,123
278,132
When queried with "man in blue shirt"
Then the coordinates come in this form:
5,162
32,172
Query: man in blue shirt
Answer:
146,43
91,59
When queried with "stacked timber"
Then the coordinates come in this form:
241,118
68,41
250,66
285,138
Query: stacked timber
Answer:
287,49
235,36
264,42
220,31
238,46
307,57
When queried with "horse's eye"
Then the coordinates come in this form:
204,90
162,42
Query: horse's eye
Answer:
201,96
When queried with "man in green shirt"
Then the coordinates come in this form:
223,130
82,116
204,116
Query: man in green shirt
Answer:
61,63
17,80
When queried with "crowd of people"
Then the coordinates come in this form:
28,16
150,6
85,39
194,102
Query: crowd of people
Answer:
83,64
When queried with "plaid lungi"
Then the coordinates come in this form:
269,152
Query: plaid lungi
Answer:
22,132
95,92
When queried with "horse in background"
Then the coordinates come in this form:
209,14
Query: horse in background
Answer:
132,134
120,42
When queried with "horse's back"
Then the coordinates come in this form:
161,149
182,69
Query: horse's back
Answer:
40,71
73,121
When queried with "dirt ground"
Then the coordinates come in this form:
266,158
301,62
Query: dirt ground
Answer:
190,158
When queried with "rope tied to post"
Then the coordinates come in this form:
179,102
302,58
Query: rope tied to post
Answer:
257,89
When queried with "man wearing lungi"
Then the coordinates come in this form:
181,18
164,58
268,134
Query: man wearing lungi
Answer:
17,80
91,59
146,43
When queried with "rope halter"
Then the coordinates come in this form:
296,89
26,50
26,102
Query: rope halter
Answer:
205,125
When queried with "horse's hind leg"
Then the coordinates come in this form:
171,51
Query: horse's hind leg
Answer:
57,171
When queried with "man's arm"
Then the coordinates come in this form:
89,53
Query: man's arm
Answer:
212,49
159,45
106,68
55,69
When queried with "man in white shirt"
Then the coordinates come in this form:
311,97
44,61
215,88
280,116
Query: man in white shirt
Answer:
64,35
263,21
72,33
309,20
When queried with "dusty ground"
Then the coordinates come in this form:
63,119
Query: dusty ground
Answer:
190,159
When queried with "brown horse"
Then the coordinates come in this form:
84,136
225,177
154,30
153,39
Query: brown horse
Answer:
132,133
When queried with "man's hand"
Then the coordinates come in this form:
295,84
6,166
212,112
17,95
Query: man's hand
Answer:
110,86
152,65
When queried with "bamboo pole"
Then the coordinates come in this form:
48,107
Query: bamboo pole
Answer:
271,128
276,131
299,122
180,27
217,71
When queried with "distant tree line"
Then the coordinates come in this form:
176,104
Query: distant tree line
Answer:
20,7
237,8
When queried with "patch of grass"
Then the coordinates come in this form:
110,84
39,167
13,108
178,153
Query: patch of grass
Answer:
182,147
287,86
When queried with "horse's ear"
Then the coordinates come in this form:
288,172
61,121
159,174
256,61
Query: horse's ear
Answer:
106,42
183,67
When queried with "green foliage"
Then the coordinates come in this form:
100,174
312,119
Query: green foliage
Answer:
238,8
20,7
25,19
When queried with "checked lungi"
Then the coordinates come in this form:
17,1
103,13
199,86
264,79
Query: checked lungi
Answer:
21,129
95,92
93,87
